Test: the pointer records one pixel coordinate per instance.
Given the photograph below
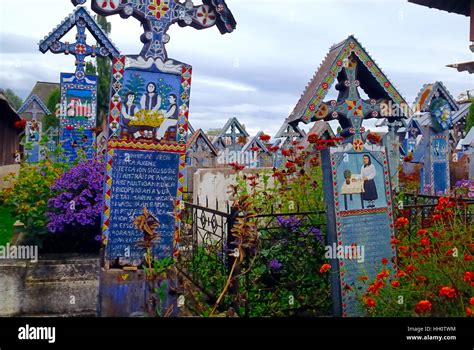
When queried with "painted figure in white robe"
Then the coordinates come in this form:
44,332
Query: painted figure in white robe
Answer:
151,100
367,174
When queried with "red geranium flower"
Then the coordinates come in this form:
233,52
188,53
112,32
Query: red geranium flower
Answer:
448,292
421,279
401,222
20,124
374,288
236,166
265,137
369,302
395,284
325,268
423,306
287,152
469,311
449,252
468,276
400,273
383,275
425,241
313,138
384,261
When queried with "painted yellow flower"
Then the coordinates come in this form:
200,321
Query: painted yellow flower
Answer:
159,8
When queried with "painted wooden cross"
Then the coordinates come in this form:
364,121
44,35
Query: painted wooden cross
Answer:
82,20
350,109
35,111
157,16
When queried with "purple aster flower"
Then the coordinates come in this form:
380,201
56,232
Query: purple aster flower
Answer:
292,223
275,265
316,232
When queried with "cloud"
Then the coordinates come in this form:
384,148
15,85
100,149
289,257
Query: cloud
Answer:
258,72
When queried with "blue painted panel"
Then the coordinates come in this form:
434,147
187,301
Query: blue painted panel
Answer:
372,232
422,180
352,164
74,141
363,223
141,179
440,178
33,137
150,105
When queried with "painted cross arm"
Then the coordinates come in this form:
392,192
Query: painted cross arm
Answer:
80,17
333,110
157,16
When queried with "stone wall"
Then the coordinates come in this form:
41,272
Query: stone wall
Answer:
53,287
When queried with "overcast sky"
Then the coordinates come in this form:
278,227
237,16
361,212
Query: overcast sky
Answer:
258,72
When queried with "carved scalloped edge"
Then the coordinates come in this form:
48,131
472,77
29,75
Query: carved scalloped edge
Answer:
334,47
436,85
31,99
65,26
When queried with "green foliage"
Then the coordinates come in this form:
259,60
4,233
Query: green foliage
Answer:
54,99
30,193
470,118
103,70
208,269
7,220
277,271
90,68
434,271
135,84
16,100
295,288
158,273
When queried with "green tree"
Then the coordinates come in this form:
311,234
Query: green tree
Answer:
90,68
53,101
135,84
103,70
16,100
470,117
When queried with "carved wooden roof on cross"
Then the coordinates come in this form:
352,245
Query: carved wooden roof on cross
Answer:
35,106
157,16
350,109
82,20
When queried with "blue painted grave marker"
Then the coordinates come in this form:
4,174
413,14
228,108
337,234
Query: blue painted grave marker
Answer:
78,111
356,173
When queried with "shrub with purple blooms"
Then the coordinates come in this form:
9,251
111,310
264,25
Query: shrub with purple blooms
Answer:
77,197
464,188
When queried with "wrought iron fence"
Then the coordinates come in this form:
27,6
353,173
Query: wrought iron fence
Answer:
419,210
206,244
